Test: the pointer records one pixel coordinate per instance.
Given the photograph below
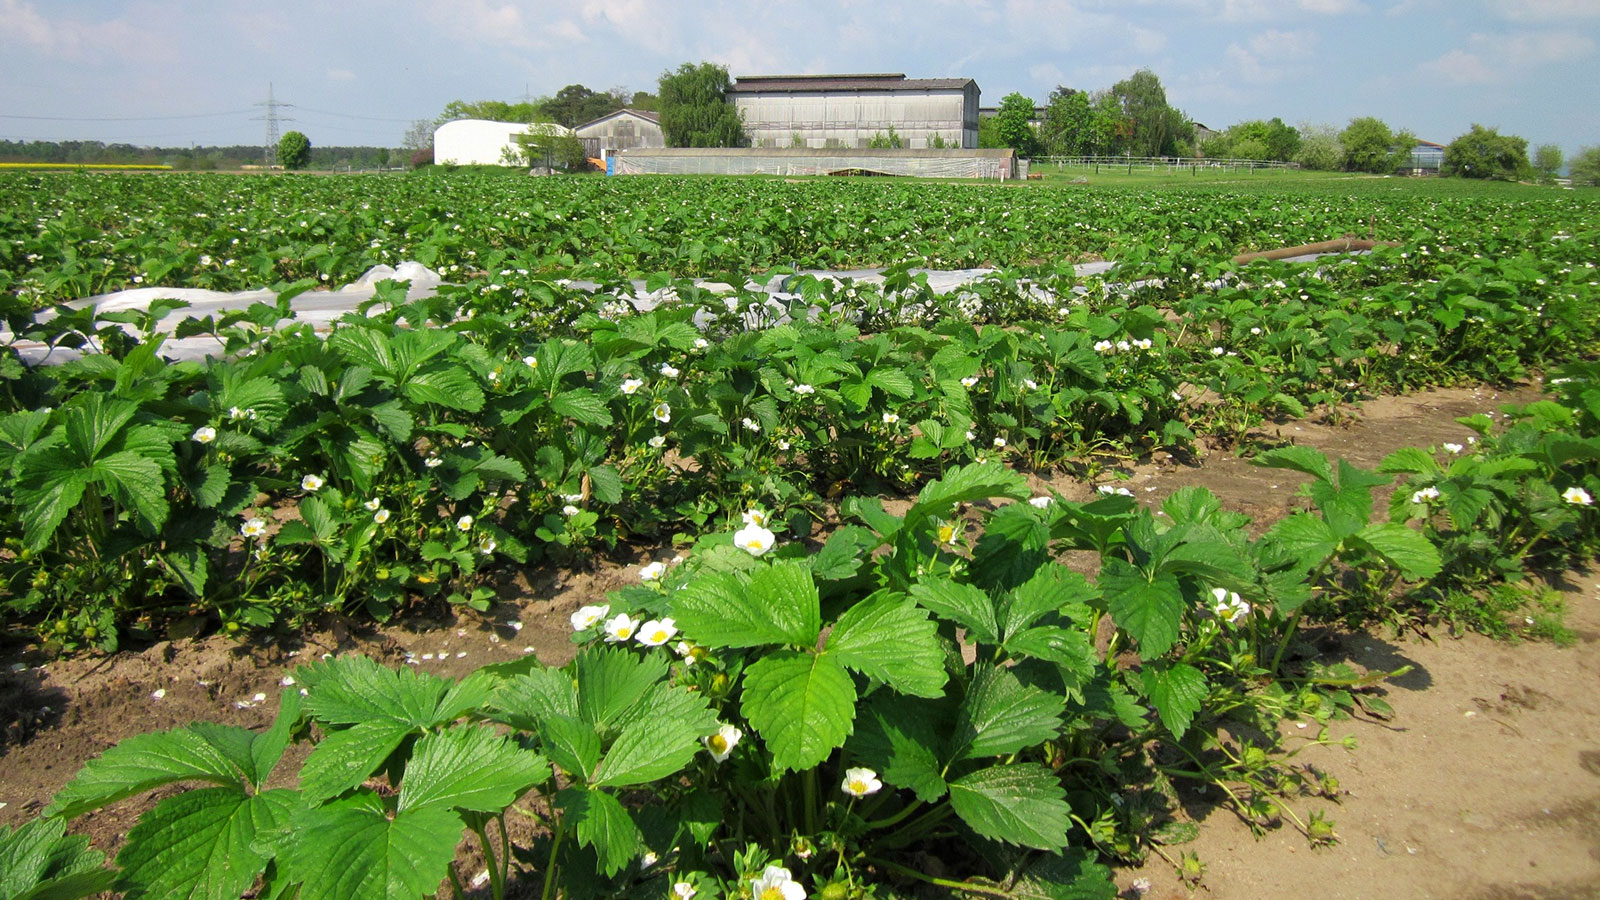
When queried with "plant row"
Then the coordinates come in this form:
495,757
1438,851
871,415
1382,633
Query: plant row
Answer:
419,446
780,718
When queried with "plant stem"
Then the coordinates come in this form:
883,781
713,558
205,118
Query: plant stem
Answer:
941,882
1283,645
811,801
895,819
550,868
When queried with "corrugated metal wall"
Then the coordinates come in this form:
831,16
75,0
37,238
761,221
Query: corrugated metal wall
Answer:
851,119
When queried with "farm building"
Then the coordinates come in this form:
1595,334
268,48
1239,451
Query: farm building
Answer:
624,129
994,164
1426,158
840,111
477,142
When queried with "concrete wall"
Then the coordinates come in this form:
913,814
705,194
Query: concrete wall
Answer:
850,119
991,164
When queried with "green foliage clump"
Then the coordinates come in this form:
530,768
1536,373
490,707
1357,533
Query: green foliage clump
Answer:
1255,139
1586,167
1012,124
1486,153
1369,146
695,109
294,150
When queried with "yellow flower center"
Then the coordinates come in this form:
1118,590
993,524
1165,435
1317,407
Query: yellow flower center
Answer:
717,743
946,533
624,631
659,636
772,893
857,786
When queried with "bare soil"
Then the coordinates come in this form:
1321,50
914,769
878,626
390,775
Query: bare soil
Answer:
1485,785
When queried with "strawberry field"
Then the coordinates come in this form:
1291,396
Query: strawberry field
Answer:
863,639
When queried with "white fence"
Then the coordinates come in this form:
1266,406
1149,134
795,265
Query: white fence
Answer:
1172,164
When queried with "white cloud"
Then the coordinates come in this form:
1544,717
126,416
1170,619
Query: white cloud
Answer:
1048,74
64,38
1148,40
1499,58
1460,68
1260,10
341,75
482,22
1287,45
1545,10
1539,48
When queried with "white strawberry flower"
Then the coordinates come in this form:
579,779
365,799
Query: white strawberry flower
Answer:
1228,606
756,516
253,528
569,510
380,516
683,890
1453,448
487,545
374,504
670,371
653,571
1577,496
720,744
804,389
861,782
999,443
701,343
433,461
890,418
1104,347
586,616
205,434
531,362
1042,502
754,540
1426,494
620,627
969,381
1217,351
464,523
311,483
656,632
776,883
631,385
750,424
657,442
662,412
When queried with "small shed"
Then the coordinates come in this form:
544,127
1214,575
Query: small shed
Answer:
479,142
625,129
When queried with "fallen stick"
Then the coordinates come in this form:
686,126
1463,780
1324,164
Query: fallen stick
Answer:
1338,245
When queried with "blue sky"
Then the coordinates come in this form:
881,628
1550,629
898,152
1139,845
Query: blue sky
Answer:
359,70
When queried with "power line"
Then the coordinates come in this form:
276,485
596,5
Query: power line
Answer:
349,116
234,112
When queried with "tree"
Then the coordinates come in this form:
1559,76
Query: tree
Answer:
1369,146
1156,127
551,147
1255,139
1486,153
1068,128
1011,124
1110,128
1548,159
294,150
418,136
493,111
643,100
695,109
1319,148
1585,168
575,104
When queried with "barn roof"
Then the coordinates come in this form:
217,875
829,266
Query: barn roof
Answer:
793,84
